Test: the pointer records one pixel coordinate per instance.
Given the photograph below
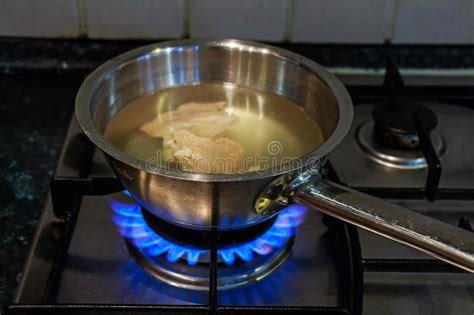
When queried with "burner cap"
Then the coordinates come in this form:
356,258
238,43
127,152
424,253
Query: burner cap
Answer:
395,124
203,239
394,157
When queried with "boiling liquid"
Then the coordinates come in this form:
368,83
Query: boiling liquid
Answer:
269,127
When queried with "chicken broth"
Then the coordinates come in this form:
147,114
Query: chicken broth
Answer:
214,128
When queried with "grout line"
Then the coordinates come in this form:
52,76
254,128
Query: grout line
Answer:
81,9
288,20
186,17
392,17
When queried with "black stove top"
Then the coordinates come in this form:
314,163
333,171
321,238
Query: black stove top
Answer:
88,254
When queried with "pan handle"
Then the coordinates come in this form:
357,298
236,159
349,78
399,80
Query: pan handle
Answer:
433,237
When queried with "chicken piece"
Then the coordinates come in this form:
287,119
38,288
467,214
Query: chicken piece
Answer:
189,138
203,119
204,155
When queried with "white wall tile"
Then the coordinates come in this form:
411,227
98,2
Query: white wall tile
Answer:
248,19
434,21
39,18
340,21
134,19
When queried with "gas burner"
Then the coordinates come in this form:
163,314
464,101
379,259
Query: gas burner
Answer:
408,157
201,239
395,127
187,266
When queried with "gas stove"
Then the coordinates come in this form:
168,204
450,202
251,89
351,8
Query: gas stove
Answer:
97,250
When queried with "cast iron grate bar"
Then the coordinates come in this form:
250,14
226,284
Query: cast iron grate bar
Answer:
51,291
462,96
415,265
416,193
90,309
350,264
52,309
394,85
403,192
281,310
67,191
346,252
213,299
409,265
66,194
434,164
465,224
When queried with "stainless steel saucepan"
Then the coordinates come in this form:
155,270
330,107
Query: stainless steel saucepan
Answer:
229,201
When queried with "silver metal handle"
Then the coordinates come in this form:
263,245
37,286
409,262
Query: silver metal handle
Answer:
433,237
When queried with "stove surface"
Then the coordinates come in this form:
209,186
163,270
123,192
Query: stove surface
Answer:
98,270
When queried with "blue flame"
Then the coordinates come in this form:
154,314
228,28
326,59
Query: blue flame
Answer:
133,226
127,193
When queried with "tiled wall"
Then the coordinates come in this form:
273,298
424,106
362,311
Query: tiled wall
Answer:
302,21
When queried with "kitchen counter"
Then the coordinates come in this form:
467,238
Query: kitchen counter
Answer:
35,112
38,83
